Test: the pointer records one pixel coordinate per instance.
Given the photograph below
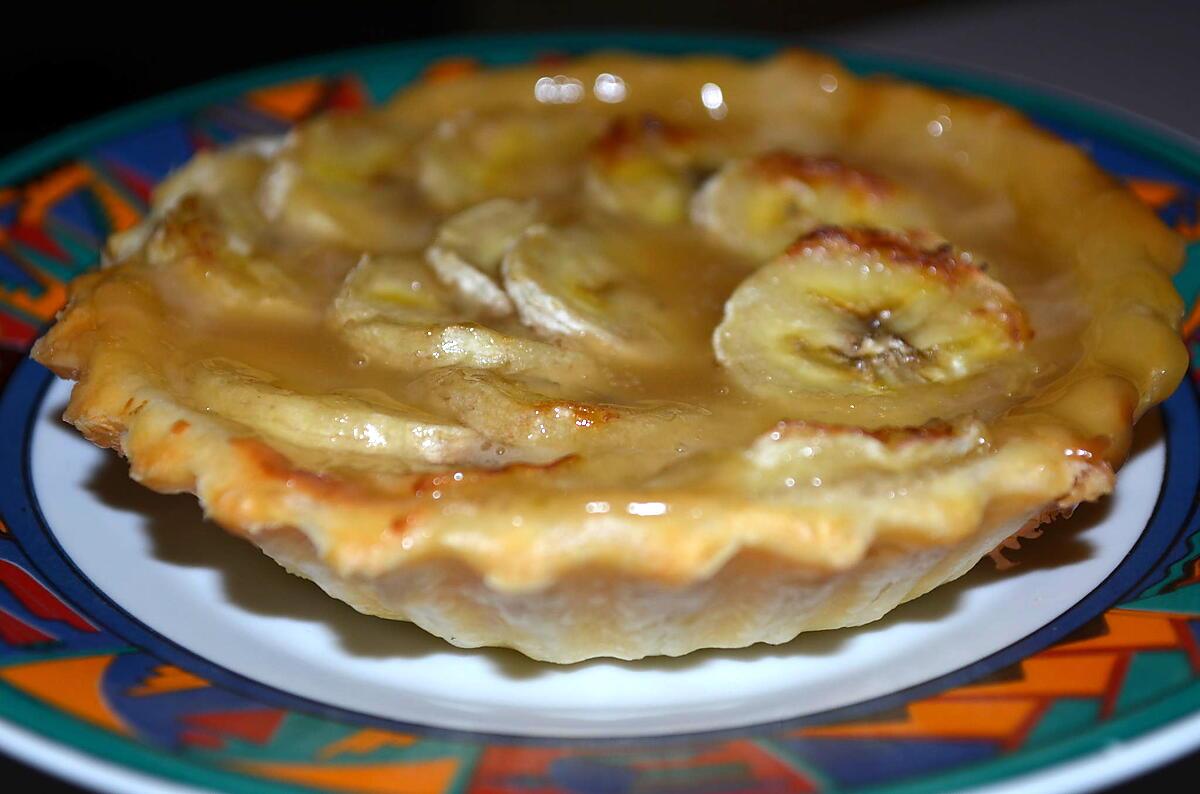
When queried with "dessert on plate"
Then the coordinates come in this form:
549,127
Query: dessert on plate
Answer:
631,355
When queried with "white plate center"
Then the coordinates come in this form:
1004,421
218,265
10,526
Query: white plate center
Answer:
221,599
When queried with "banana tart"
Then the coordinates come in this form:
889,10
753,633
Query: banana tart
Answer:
633,357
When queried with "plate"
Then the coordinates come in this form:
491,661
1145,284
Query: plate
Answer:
142,650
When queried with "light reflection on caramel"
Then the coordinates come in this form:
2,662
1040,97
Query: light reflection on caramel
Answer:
558,90
609,88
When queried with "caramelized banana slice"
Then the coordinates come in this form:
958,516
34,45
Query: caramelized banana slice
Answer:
648,168
811,453
393,288
352,148
535,413
341,423
798,459
395,312
201,262
469,247
758,206
228,174
347,180
519,154
226,180
565,283
860,311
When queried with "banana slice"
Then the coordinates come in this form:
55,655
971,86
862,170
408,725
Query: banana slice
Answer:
394,288
348,181
758,206
227,179
848,311
396,313
568,284
376,216
228,174
519,154
813,453
469,247
648,168
203,263
124,245
352,148
377,428
799,459
532,413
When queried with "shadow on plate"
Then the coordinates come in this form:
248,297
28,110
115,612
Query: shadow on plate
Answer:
181,536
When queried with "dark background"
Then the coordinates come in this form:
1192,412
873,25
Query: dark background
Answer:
88,73
59,67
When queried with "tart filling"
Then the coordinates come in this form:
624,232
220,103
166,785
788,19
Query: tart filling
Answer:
587,376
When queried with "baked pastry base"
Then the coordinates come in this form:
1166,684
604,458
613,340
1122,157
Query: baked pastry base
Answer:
753,598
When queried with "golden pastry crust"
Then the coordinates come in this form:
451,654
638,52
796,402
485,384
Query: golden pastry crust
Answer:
593,478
